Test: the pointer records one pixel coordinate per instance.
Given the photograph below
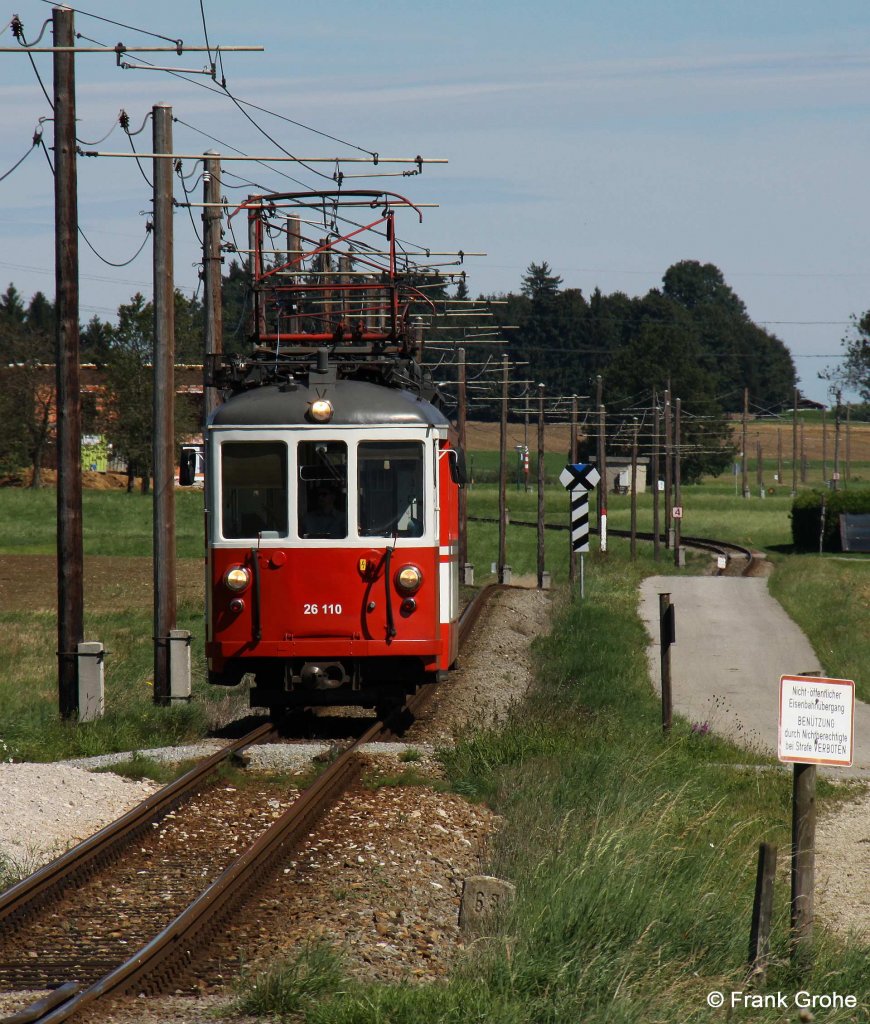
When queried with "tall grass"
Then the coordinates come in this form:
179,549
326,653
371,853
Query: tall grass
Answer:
830,597
633,856
31,727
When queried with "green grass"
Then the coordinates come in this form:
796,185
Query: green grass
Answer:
113,522
634,856
829,596
31,727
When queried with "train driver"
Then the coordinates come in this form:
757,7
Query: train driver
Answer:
324,517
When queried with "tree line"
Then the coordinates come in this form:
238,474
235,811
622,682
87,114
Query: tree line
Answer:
692,336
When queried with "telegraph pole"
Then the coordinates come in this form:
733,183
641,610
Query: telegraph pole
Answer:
669,461
759,465
211,277
794,444
541,486
678,494
164,404
657,540
462,416
745,456
848,442
70,559
824,447
601,495
572,458
634,490
836,475
502,472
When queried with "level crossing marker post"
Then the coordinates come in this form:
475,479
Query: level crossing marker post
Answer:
579,479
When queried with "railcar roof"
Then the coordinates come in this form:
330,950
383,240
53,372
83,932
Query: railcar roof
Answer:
356,403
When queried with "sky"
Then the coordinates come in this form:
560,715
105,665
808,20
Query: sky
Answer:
610,140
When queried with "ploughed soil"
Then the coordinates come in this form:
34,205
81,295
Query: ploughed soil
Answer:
28,583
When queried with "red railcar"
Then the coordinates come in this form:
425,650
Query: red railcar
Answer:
332,476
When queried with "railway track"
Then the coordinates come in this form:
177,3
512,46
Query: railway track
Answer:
745,558
88,935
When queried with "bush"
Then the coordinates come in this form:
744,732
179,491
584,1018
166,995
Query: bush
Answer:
806,512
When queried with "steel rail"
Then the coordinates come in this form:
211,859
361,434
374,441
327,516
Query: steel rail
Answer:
172,949
721,547
25,895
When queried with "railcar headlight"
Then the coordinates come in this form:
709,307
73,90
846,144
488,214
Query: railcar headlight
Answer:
408,579
321,410
237,577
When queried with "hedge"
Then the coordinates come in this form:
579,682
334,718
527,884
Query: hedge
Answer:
806,511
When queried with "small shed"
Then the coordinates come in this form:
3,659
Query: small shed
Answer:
619,474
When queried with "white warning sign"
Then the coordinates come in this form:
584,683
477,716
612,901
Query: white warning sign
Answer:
816,720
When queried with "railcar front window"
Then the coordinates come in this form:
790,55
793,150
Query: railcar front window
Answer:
390,488
322,489
254,489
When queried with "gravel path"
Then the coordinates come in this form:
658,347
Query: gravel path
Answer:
733,643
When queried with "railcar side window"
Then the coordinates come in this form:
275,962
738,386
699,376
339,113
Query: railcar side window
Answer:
254,488
390,488
322,488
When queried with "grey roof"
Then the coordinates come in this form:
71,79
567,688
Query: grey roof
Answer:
356,403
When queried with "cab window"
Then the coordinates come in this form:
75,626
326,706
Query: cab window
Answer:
253,488
390,488
322,489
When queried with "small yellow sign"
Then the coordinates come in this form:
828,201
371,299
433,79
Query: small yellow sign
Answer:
363,564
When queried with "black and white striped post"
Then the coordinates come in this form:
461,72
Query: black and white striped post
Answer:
579,479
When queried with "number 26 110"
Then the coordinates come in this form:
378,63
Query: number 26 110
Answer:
321,609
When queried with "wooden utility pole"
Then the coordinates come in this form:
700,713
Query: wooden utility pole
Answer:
666,638
164,404
657,540
836,474
70,559
461,426
678,494
572,458
824,447
669,461
779,456
294,259
803,862
257,324
602,457
502,472
759,465
601,494
803,455
211,278
762,911
634,490
541,486
794,444
745,455
848,442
